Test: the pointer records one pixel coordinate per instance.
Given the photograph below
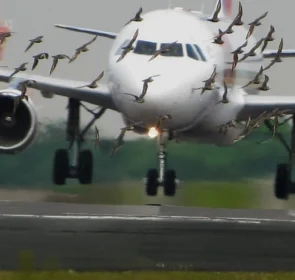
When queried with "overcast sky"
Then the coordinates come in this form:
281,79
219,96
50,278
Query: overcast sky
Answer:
31,18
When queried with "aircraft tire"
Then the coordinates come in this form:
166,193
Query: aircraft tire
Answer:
152,182
282,181
85,167
170,182
60,166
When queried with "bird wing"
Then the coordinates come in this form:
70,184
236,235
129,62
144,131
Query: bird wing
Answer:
139,12
101,96
250,31
35,63
144,90
29,46
133,38
99,77
54,63
261,17
265,43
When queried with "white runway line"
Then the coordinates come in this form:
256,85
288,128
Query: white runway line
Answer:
147,218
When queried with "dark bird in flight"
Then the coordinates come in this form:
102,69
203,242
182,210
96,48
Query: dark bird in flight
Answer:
21,68
269,38
161,120
223,128
22,86
252,51
4,36
277,57
237,20
162,50
119,140
236,53
256,80
224,99
209,82
264,86
94,84
218,39
36,40
38,57
255,23
140,98
129,47
216,12
137,17
97,139
56,58
83,48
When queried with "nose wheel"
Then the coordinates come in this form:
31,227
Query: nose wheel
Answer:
162,176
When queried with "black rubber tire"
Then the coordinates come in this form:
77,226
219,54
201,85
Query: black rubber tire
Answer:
60,167
282,181
152,182
169,182
85,167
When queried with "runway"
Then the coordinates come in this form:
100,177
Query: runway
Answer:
100,237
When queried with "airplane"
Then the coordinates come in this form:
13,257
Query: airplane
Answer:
195,116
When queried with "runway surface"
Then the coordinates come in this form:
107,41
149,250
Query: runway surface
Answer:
96,237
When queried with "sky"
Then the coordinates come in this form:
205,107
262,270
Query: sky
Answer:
32,18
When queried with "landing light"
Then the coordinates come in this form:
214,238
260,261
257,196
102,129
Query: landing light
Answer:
153,132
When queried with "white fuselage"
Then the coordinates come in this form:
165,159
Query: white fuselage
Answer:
195,117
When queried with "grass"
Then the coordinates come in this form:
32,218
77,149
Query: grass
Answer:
145,276
202,194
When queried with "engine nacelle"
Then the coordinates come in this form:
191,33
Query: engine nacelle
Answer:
19,130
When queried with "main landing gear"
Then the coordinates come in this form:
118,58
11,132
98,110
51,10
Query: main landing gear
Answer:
283,185
74,163
162,176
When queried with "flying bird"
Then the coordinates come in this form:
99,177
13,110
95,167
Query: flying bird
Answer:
223,128
236,53
162,50
56,58
252,51
269,38
140,99
83,48
5,35
38,57
21,68
216,12
256,78
277,57
237,20
22,86
119,140
208,82
94,84
97,139
129,47
255,23
264,86
33,41
161,119
218,39
137,17
224,99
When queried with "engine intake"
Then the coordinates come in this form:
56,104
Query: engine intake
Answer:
19,130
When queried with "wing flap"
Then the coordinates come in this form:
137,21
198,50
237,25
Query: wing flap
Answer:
100,33
255,105
100,96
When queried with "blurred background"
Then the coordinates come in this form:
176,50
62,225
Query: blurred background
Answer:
238,176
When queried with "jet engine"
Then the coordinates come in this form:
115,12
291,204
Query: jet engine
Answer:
19,130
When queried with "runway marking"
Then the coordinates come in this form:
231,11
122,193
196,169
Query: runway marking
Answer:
148,218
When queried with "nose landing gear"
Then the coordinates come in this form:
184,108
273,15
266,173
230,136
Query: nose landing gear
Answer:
161,177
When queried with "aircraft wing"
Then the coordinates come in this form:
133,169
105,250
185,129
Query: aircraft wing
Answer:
100,96
100,33
285,53
255,105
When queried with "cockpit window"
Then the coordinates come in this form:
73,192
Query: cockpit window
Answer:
191,52
145,47
174,50
120,50
200,52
